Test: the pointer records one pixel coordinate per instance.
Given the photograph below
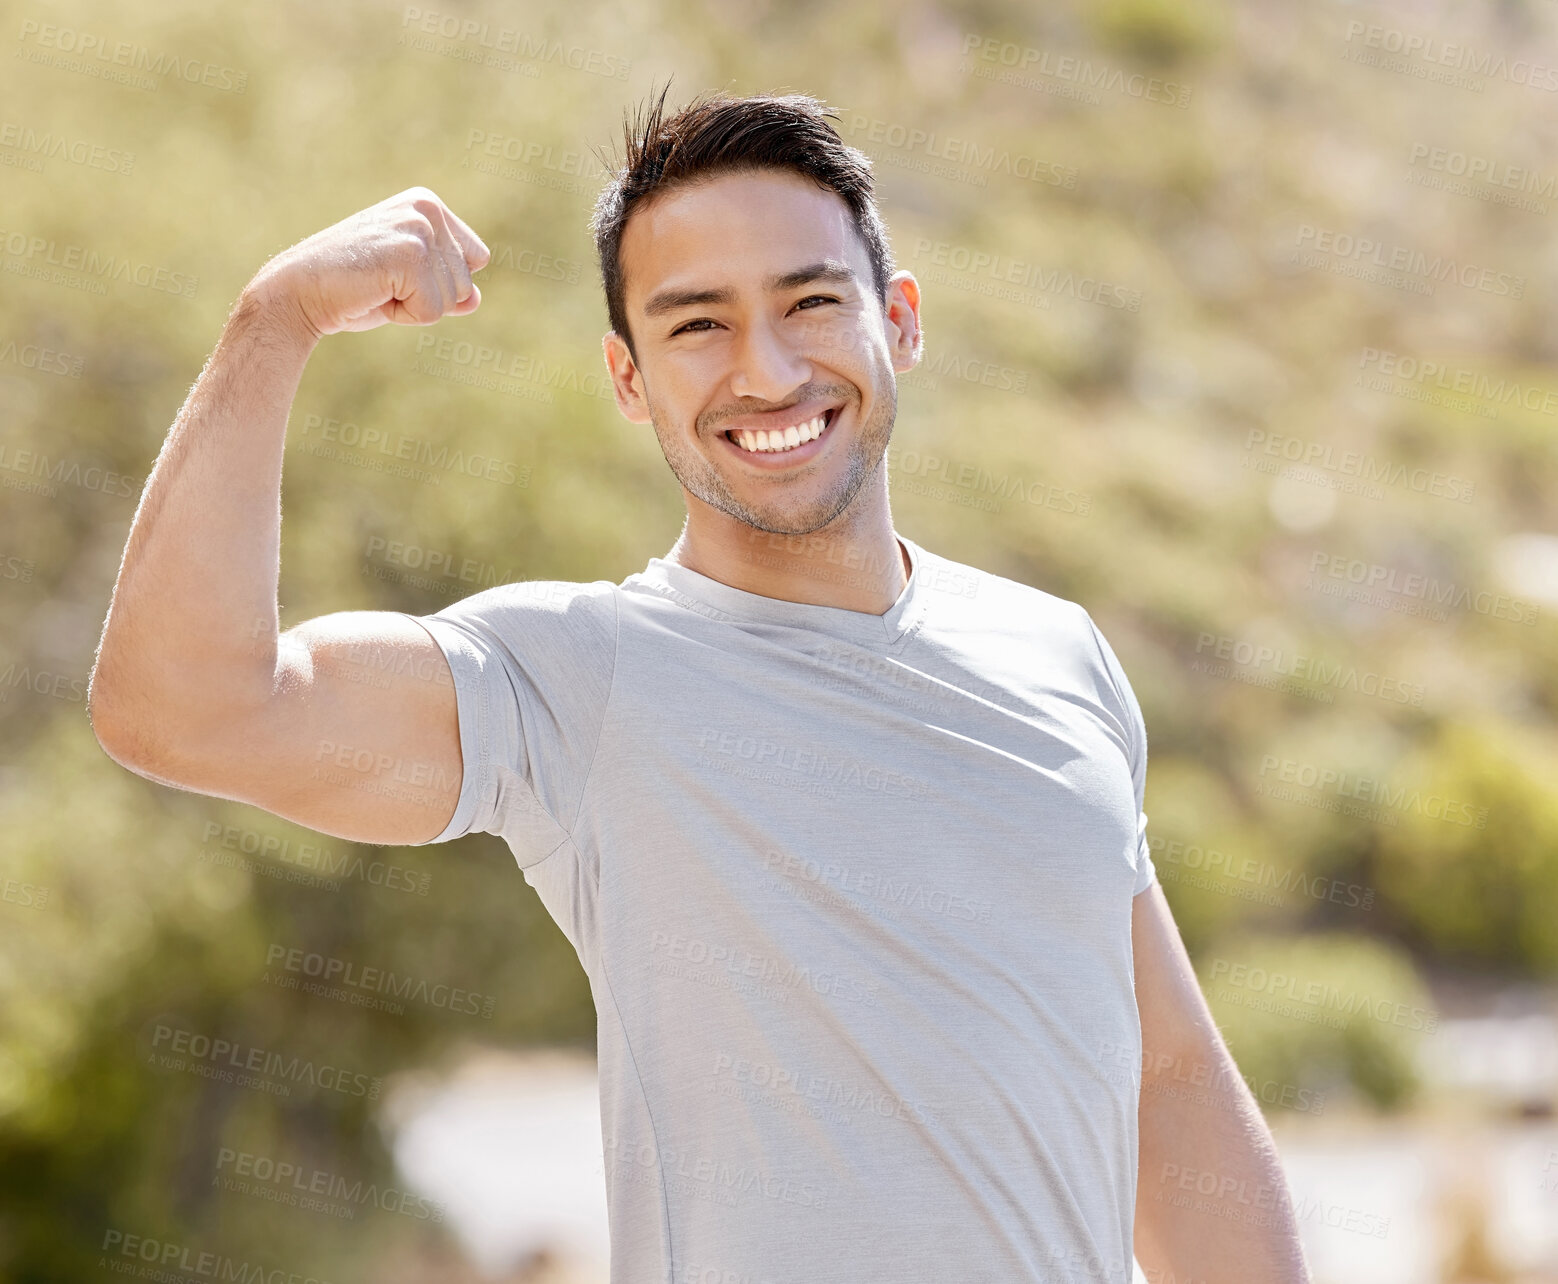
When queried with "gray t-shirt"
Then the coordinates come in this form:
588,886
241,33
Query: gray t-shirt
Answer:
854,895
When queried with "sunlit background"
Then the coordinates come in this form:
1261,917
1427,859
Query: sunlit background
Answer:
1240,330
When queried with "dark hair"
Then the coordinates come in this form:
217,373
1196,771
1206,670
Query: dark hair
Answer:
718,134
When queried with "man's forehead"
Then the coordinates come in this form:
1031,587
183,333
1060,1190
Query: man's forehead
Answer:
750,232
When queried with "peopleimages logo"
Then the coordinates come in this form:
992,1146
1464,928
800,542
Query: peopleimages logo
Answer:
1038,277
400,448
172,1047
1345,784
330,866
1280,986
962,151
76,151
30,356
1312,669
94,268
59,471
1451,54
1083,73
1482,169
1344,250
511,40
301,1185
75,48
375,981
1371,578
709,1176
1455,379
875,886
1172,856
1353,463
787,1081
165,1259
817,761
739,961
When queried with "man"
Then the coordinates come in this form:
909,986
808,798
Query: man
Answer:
848,836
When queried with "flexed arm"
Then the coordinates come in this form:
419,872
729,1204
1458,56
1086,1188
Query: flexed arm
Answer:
193,684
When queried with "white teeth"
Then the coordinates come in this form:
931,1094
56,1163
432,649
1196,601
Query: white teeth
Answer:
775,439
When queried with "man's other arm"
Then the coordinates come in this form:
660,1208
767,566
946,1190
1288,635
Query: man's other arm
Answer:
1212,1202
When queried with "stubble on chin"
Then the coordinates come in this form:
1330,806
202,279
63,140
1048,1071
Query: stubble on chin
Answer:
699,476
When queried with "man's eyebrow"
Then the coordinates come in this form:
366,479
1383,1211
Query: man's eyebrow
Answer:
823,270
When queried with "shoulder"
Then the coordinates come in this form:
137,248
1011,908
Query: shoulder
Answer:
1053,633
534,621
990,601
565,603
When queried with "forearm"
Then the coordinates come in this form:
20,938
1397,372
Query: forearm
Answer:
1212,1203
192,627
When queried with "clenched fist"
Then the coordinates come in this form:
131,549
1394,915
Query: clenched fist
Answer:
407,259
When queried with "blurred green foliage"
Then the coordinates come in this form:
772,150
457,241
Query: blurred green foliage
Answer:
134,922
1318,1014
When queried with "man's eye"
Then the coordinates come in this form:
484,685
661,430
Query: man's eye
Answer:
694,327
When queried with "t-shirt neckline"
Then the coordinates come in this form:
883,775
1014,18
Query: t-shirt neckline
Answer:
837,621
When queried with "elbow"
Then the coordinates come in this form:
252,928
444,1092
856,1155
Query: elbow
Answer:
167,744
106,712
169,725
124,731
115,733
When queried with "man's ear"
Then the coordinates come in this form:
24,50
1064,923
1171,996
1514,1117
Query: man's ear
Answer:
626,380
904,340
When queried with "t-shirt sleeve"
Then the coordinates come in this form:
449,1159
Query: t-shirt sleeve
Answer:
533,664
1136,742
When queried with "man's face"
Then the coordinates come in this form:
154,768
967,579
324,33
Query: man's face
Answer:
751,305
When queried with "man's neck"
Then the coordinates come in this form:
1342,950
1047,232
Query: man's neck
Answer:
862,569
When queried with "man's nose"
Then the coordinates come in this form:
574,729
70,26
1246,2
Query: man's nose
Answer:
767,366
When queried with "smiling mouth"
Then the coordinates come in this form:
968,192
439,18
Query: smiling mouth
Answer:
775,441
